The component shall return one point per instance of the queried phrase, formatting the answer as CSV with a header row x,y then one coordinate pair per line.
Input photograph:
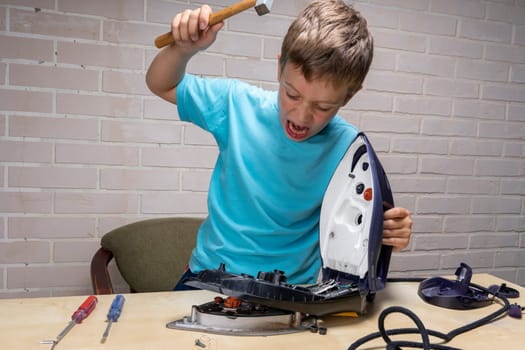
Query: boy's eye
x,y
323,109
292,96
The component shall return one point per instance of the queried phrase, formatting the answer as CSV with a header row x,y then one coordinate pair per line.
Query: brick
x,y
451,88
399,164
406,4
379,16
161,11
493,240
440,242
204,64
425,64
2,125
397,124
464,8
37,4
237,44
45,276
479,109
93,203
30,152
496,205
383,60
462,147
448,128
469,223
26,202
195,181
506,13
519,36
56,128
499,167
87,54
52,177
98,105
371,101
443,205
455,47
124,83
184,157
514,149
417,184
415,144
124,32
156,108
26,101
49,227
415,261
485,30
517,73
26,48
504,93
3,27
74,251
272,48
24,252
423,105
103,154
427,23
53,77
287,8
423,224
140,132
250,22
194,135
505,53
509,258
250,69
54,24
478,70
108,223
3,68
399,41
447,165
394,82
501,130
128,10
475,259
469,185
139,179
174,203
513,186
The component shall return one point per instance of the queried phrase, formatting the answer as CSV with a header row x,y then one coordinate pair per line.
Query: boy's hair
x,y
330,40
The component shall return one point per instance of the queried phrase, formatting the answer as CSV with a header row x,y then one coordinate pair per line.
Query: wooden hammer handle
x,y
216,17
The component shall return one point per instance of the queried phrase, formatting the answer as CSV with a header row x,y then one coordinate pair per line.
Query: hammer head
x,y
263,7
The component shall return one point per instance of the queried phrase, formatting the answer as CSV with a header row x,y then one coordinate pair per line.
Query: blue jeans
x,y
180,285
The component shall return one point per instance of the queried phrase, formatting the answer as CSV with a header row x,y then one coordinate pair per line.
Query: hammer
x,y
262,7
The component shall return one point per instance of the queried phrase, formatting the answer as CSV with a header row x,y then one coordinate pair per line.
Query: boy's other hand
x,y
190,29
397,227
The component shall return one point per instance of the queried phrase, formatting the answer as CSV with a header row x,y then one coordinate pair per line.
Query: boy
x,y
277,149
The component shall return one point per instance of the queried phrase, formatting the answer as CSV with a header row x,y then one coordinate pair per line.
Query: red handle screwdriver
x,y
78,316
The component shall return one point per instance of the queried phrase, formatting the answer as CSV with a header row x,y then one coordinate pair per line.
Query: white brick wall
x,y
85,147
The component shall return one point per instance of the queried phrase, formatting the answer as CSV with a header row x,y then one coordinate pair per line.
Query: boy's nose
x,y
305,113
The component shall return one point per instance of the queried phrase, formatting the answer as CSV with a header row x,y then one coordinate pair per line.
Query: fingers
x,y
397,228
189,26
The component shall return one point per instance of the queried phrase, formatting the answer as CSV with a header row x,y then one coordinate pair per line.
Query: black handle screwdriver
x,y
113,314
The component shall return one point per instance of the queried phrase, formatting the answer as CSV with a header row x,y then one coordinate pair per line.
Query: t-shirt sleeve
x,y
201,101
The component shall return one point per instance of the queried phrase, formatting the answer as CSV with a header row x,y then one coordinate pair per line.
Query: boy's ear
x,y
351,93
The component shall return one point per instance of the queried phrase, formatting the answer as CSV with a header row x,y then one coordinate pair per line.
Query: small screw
x,y
199,343
322,330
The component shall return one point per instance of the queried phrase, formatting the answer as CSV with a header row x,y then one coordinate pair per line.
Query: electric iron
x,y
355,263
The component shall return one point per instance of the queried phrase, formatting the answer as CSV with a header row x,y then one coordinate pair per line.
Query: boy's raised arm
x,y
191,34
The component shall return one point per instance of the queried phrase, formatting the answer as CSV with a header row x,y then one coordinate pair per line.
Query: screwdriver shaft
x,y
106,332
62,334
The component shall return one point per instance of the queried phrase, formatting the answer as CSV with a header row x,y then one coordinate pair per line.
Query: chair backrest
x,y
151,255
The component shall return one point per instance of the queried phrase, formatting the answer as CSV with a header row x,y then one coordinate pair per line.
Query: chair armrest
x,y
99,272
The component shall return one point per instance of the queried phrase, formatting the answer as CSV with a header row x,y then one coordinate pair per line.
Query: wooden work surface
x,y
25,322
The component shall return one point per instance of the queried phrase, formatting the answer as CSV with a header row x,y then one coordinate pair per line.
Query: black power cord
x,y
425,334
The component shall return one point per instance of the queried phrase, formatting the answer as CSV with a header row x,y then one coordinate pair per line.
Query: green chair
x,y
151,255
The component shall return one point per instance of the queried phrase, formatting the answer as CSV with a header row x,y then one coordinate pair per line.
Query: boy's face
x,y
306,107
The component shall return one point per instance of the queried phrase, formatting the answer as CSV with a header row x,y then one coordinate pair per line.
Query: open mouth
x,y
295,131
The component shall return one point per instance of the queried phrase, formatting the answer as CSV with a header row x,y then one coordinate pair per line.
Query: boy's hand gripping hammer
x,y
262,7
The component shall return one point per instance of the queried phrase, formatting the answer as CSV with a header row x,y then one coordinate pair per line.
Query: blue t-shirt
x,y
266,190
